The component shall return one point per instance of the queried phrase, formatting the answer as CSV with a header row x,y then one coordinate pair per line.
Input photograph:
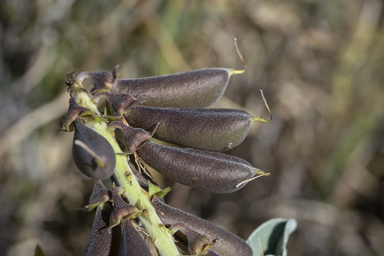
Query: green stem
x,y
137,196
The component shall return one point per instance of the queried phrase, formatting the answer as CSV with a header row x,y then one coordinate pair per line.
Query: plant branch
x,y
137,196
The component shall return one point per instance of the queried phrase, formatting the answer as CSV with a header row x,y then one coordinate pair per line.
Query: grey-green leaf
x,y
39,251
271,237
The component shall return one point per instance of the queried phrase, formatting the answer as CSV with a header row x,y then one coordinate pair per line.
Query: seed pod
x,y
134,137
198,244
197,88
100,195
205,129
121,210
132,243
121,101
228,244
75,111
92,153
208,171
192,89
99,242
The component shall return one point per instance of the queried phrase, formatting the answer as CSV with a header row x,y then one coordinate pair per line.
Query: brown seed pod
x,y
92,153
228,244
208,171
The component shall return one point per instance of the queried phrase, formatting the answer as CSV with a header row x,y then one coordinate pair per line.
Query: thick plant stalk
x,y
138,197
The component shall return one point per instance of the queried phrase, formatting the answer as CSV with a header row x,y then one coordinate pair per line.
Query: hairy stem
x,y
138,197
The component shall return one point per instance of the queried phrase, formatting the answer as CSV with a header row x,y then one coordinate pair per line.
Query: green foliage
x,y
39,251
271,237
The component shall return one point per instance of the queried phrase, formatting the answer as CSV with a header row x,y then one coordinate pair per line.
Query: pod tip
x,y
70,78
116,72
266,105
236,71
260,119
258,173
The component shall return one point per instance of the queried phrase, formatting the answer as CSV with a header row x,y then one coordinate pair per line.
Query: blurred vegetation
x,y
319,63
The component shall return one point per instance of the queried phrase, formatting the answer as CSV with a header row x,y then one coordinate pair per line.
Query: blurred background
x,y
319,63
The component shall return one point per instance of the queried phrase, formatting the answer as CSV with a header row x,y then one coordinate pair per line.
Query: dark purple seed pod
x,y
100,240
74,111
118,102
92,153
228,244
208,171
132,243
196,88
121,210
205,129
134,137
191,89
197,243
101,80
100,194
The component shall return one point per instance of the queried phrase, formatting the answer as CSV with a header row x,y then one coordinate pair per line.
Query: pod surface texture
x,y
196,88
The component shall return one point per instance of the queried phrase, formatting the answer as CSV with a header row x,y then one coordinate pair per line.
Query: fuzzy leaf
x,y
39,251
272,236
